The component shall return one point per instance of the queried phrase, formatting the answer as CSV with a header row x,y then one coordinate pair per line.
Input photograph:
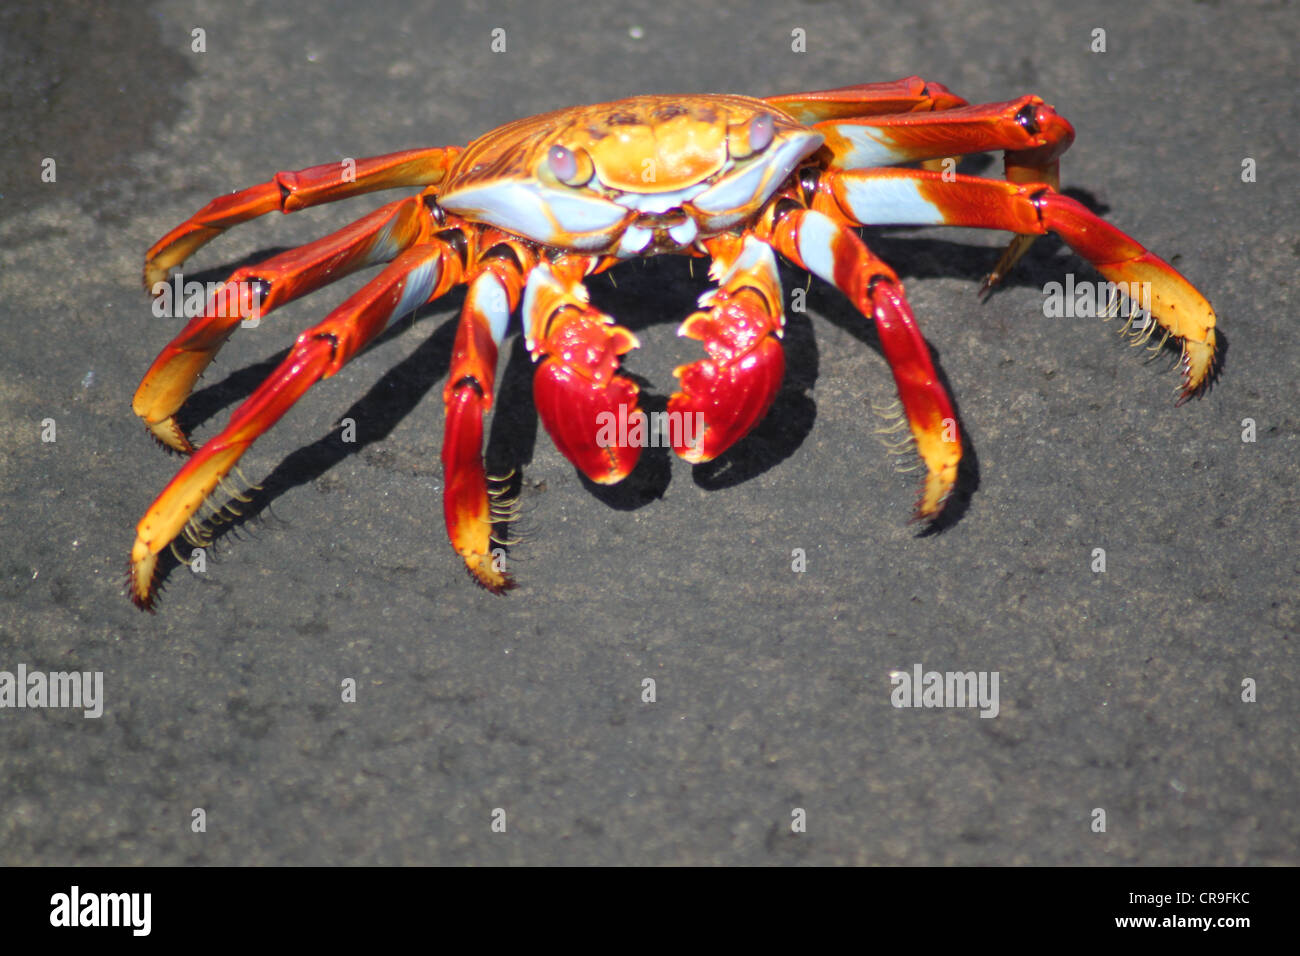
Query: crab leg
x,y
588,406
376,238
832,251
493,294
1032,135
291,191
415,277
909,95
740,324
916,197
927,123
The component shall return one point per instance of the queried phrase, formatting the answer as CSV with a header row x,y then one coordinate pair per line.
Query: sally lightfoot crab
x,y
523,215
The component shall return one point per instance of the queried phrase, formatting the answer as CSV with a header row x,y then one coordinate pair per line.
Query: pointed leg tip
x,y
1197,367
487,577
925,513
140,582
169,434
152,275
173,441
935,493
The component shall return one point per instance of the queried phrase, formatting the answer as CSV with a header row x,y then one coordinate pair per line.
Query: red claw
x,y
725,395
729,392
588,407
589,421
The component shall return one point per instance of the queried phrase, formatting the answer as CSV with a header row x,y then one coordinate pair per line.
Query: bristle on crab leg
x,y
469,514
832,251
917,197
415,277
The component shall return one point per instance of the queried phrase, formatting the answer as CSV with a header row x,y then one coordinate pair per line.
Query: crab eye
x,y
570,168
753,137
1028,118
563,163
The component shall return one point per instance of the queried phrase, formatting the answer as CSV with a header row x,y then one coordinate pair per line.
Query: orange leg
x,y
291,191
375,238
917,197
1031,135
909,95
730,391
587,405
493,294
828,248
415,277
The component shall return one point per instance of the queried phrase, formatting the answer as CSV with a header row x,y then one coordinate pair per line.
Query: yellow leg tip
x,y
938,485
140,576
1198,363
482,569
168,433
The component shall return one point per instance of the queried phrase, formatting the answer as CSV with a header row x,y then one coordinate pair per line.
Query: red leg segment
x,y
908,196
1031,132
415,277
730,391
909,95
291,191
588,407
376,238
832,251
493,294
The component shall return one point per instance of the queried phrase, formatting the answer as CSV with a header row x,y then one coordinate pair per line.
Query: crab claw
x,y
722,397
589,421
725,395
588,407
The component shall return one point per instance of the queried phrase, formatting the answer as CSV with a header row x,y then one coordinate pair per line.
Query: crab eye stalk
x,y
570,168
752,137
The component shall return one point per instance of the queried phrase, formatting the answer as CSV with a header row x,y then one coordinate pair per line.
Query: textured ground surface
x,y
1119,690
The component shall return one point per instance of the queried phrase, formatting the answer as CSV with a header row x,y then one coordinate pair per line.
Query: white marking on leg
x,y
488,296
889,200
417,286
816,245
542,277
869,147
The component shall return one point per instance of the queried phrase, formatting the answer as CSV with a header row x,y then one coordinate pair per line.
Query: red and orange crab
x,y
525,213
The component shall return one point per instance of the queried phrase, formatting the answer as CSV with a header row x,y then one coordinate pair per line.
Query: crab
x,y
524,214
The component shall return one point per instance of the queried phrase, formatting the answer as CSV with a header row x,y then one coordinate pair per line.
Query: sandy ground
x,y
1119,690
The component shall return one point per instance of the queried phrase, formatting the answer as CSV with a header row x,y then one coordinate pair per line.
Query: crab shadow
x,y
647,293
